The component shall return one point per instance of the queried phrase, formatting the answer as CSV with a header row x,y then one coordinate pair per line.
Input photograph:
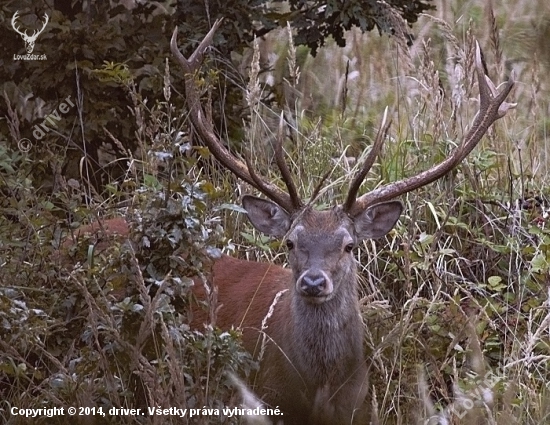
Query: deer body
x,y
310,355
314,368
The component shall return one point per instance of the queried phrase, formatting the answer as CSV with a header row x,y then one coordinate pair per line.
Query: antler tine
x,y
259,183
205,128
319,186
492,107
283,166
192,64
368,163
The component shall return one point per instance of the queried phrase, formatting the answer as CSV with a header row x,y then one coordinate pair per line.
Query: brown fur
x,y
246,290
103,232
313,367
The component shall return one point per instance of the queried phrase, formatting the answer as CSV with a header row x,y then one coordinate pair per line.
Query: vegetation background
x,y
455,300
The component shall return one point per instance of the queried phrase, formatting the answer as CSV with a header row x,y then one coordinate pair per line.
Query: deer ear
x,y
266,216
377,220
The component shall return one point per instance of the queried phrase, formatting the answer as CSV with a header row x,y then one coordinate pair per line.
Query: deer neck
x,y
328,334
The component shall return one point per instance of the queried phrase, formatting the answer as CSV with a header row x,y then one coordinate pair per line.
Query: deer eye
x,y
289,244
349,247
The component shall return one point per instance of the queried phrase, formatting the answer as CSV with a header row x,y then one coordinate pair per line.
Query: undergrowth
x,y
99,322
455,299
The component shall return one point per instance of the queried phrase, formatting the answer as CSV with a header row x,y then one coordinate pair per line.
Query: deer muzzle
x,y
315,286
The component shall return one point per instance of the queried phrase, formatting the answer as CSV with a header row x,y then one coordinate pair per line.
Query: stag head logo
x,y
29,39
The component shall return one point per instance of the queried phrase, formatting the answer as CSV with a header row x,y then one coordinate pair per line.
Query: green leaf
x,y
539,263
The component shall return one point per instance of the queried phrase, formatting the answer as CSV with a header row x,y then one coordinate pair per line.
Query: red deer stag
x,y
312,362
313,367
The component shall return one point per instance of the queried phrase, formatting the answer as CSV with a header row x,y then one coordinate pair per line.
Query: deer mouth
x,y
316,299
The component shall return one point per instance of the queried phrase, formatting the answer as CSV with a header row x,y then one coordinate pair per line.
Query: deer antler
x,y
368,163
289,201
492,106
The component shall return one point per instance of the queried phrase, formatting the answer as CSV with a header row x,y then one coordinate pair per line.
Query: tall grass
x,y
456,298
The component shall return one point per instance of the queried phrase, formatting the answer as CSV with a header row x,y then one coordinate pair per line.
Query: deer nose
x,y
313,284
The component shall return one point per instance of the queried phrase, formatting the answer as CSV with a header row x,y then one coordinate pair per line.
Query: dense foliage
x,y
455,299
92,49
95,320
